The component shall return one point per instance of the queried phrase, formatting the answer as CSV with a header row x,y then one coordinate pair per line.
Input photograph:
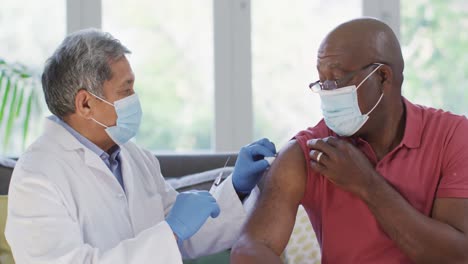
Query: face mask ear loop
x,y
368,113
104,102
111,104
380,99
99,123
367,77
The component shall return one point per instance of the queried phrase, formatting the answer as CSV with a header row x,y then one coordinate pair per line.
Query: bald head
x,y
363,41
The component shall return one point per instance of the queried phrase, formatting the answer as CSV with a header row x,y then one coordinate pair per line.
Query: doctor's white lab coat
x,y
66,206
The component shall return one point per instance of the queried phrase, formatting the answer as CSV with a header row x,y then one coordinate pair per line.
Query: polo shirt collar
x,y
413,125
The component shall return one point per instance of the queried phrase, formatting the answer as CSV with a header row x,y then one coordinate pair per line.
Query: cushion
x,y
6,169
177,165
303,246
199,181
5,253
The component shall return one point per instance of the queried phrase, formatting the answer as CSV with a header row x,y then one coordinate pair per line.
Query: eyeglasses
x,y
336,84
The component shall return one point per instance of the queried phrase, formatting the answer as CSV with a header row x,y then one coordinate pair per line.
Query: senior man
x,y
382,180
82,193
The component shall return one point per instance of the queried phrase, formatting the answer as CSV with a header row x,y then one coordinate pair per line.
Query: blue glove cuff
x,y
178,228
243,192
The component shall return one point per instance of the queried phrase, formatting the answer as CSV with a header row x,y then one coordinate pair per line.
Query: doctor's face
x,y
118,87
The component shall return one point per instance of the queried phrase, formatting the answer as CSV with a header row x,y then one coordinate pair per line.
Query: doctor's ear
x,y
83,103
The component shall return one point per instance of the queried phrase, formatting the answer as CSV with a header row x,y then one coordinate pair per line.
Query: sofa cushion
x,y
177,165
199,181
6,169
303,246
5,253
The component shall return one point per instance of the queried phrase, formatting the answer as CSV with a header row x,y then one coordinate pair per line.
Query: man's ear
x,y
83,103
386,76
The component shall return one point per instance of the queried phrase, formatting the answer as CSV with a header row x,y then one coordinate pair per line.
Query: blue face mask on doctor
x,y
340,108
128,122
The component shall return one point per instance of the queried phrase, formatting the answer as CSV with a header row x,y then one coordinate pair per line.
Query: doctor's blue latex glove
x,y
190,211
250,165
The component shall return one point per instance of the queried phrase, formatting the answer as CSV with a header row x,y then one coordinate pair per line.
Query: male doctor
x,y
82,193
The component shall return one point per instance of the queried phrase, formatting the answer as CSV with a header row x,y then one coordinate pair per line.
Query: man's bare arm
x,y
440,239
267,230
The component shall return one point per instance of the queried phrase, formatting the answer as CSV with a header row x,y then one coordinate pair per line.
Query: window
x,y
284,52
28,37
434,41
172,58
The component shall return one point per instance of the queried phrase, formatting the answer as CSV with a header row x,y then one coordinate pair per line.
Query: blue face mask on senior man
x,y
341,111
129,115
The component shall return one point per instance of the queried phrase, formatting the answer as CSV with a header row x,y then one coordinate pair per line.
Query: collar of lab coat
x,y
68,142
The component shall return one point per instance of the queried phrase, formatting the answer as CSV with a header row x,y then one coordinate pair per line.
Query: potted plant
x,y
18,92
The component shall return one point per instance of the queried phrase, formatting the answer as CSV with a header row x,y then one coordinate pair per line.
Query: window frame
x,y
233,105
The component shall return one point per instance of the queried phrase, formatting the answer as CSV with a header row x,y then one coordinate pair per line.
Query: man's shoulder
x,y
320,130
42,151
442,120
434,126
431,114
41,161
297,148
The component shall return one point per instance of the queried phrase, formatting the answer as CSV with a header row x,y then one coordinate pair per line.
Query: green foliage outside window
x,y
172,47
18,97
434,39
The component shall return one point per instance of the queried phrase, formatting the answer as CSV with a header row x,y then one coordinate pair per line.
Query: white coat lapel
x,y
94,161
144,199
127,174
129,169
70,143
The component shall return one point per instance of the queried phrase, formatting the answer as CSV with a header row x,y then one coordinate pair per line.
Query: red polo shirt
x,y
431,161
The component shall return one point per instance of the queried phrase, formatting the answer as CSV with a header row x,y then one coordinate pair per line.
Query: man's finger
x,y
335,142
318,156
318,167
322,146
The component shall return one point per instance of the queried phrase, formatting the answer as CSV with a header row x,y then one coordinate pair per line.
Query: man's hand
x,y
342,163
190,211
250,165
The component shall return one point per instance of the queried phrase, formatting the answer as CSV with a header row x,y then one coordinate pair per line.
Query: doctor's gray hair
x,y
82,61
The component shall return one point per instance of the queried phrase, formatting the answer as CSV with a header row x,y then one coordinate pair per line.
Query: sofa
x,y
186,172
